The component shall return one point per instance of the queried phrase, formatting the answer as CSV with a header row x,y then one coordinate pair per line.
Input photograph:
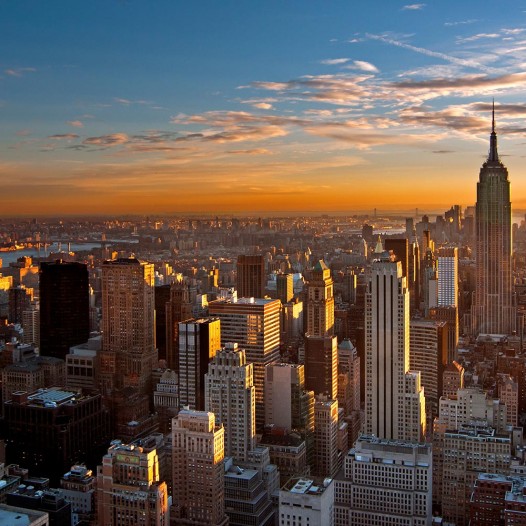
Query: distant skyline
x,y
134,107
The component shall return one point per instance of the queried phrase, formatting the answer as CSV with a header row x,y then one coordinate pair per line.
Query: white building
x,y
230,395
385,483
394,399
307,502
448,277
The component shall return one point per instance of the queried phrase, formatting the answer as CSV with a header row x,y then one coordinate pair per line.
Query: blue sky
x,y
236,106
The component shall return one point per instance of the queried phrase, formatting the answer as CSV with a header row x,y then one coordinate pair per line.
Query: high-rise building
x,y
250,276
321,346
178,309
231,396
128,487
287,403
198,470
447,267
20,299
199,340
254,324
128,353
162,297
51,429
31,324
304,500
285,287
428,354
349,389
385,482
394,398
64,307
492,310
325,437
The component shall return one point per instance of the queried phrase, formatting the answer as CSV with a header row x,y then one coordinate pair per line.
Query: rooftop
x,y
307,486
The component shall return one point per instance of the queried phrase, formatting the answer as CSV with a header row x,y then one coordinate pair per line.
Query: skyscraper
x,y
129,489
448,277
64,307
128,329
250,276
198,470
254,324
230,395
492,310
321,346
394,399
199,340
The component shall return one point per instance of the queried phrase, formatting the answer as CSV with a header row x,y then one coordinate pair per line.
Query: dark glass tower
x,y
492,311
64,307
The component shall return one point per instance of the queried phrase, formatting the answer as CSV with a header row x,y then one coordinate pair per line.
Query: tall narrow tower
x,y
321,346
492,311
394,398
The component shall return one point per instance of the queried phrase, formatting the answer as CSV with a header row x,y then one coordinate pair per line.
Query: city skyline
x,y
127,107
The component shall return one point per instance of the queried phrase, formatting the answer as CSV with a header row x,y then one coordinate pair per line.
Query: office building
x,y
79,487
64,307
178,309
251,276
428,354
304,500
129,490
492,310
321,346
326,459
385,482
198,470
394,398
199,340
230,395
452,379
51,429
128,354
254,324
246,498
447,269
20,299
285,287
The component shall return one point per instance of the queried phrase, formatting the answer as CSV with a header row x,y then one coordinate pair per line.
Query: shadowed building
x,y
64,307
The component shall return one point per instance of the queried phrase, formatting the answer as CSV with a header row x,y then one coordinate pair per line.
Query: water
x,y
13,255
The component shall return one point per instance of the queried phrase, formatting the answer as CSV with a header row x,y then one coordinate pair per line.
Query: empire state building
x,y
492,310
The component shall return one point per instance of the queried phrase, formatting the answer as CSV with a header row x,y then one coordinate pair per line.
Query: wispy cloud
x,y
107,140
64,136
76,124
461,22
413,7
18,72
448,58
334,61
263,105
478,36
362,65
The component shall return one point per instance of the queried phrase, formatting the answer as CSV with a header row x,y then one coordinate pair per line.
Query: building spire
x,y
493,153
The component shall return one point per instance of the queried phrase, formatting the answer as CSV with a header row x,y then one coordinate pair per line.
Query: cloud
x,y
478,36
263,105
18,72
253,151
76,124
68,136
461,22
448,58
443,151
334,61
413,7
112,139
464,86
363,66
